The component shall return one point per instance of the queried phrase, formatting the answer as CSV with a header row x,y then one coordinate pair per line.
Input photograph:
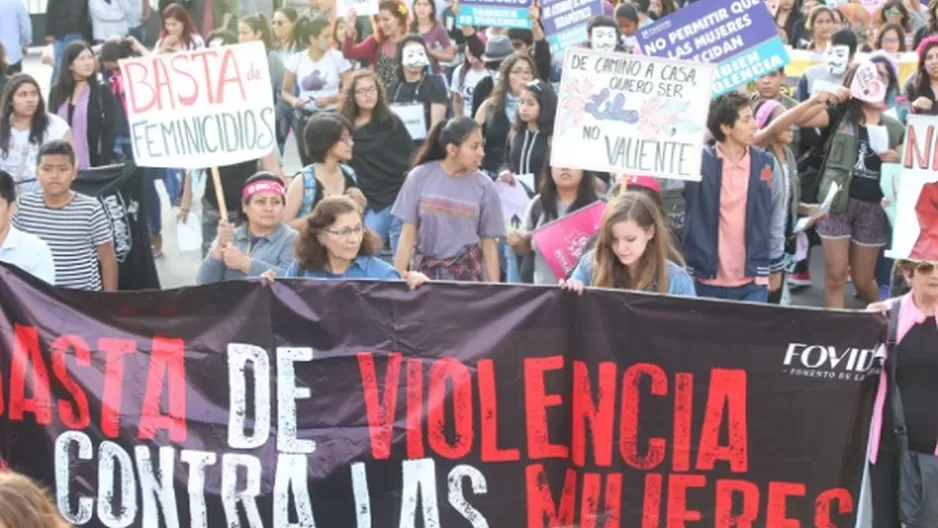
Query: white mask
x,y
415,56
629,43
603,38
836,58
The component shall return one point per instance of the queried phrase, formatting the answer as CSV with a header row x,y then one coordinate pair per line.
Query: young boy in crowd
x,y
23,250
73,225
734,235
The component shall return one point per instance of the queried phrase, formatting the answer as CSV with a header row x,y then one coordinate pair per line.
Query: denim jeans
x,y
59,46
751,292
386,225
509,263
171,179
154,207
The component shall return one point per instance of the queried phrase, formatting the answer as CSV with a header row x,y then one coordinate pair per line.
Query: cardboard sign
x,y
866,85
633,114
741,37
361,7
915,231
204,108
562,241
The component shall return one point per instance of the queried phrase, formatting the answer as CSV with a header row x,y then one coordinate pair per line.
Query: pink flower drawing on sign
x,y
573,99
662,117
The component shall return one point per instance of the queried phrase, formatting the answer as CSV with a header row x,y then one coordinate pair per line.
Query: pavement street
x,y
178,269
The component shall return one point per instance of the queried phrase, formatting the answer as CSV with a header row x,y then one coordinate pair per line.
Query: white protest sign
x,y
915,232
205,108
361,7
631,114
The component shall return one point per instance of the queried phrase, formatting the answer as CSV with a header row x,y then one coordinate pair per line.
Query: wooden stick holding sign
x,y
222,114
219,194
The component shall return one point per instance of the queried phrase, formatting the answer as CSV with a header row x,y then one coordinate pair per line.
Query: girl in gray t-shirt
x,y
451,212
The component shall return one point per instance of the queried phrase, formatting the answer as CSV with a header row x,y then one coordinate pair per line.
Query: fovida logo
x,y
827,361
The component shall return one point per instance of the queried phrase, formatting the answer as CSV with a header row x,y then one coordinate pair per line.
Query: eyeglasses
x,y
346,232
371,90
893,12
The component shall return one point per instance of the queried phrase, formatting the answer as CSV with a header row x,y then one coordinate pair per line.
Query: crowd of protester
x,y
405,121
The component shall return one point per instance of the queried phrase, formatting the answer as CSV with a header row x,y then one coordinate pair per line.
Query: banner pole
x,y
219,194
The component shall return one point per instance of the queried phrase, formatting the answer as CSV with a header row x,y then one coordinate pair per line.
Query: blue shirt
x,y
363,267
16,30
679,281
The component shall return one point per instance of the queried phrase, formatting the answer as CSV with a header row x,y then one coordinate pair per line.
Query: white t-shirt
x,y
318,79
466,88
20,159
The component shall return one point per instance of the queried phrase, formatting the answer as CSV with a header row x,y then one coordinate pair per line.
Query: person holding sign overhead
x,y
315,74
632,252
262,243
418,97
858,139
379,50
451,211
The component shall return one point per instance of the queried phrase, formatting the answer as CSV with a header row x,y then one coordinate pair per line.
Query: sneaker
x,y
799,280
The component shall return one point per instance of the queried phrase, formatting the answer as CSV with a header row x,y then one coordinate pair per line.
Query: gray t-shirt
x,y
450,212
542,272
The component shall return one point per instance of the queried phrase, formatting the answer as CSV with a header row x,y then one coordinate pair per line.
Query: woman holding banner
x,y
261,243
632,252
912,367
335,244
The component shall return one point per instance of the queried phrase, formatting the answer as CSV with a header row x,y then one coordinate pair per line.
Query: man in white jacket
x,y
114,17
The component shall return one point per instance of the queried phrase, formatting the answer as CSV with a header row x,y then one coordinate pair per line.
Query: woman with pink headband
x,y
260,244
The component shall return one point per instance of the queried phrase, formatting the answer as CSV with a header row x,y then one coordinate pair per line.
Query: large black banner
x,y
361,404
121,189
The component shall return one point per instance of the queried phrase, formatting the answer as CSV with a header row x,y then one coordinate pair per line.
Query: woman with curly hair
x,y
335,244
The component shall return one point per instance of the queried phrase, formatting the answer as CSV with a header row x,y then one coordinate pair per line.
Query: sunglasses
x,y
925,268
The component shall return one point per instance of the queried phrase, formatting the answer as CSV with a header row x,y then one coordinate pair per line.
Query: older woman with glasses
x,y
335,244
911,365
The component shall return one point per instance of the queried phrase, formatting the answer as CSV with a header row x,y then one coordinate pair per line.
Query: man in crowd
x,y
735,231
23,250
73,225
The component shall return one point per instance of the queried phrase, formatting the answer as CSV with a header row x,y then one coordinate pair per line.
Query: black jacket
x,y
102,121
67,17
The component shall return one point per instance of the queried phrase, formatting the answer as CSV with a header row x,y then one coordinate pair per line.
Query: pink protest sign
x,y
561,242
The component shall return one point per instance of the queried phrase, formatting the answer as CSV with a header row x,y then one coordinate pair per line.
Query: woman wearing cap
x,y
335,244
632,252
912,320
260,244
497,49
561,192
